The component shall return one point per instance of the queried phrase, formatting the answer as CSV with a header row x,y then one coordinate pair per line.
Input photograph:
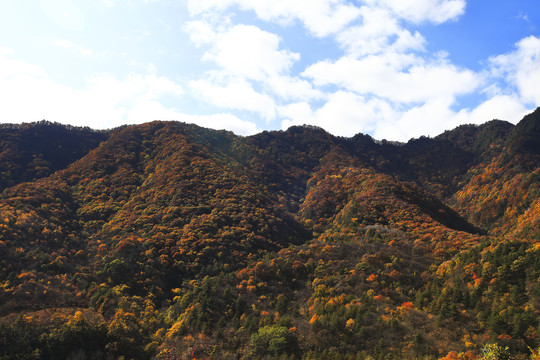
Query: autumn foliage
x,y
169,241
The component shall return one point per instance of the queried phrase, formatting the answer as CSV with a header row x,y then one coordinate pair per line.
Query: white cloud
x,y
28,94
347,114
434,117
523,16
111,3
430,118
413,96
223,122
320,17
63,43
199,7
344,114
397,77
521,68
235,94
200,32
379,31
67,44
64,13
109,89
418,11
4,51
293,88
501,107
248,51
11,69
247,56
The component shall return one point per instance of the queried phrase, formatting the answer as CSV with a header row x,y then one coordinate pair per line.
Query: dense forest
x,y
170,241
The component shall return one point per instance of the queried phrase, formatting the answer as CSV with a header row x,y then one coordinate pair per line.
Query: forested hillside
x,y
170,241
31,151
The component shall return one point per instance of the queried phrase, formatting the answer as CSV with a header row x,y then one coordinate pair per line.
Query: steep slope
x,y
287,158
160,190
32,151
147,213
524,137
346,197
439,164
481,140
502,194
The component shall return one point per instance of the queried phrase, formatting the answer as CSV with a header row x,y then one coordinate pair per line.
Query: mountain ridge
x,y
167,239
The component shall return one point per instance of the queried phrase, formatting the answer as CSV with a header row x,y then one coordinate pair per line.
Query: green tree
x,y
495,352
272,340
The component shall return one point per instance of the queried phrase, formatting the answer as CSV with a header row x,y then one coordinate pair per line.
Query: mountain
x,y
32,151
168,240
502,193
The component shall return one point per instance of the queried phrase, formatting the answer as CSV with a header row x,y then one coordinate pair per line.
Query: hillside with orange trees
x,y
170,241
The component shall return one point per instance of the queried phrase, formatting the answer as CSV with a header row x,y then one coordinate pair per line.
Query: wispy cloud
x,y
523,16
320,17
67,44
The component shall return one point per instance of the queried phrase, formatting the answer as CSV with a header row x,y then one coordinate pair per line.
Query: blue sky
x,y
391,69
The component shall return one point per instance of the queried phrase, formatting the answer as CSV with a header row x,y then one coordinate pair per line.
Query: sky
x,y
393,69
